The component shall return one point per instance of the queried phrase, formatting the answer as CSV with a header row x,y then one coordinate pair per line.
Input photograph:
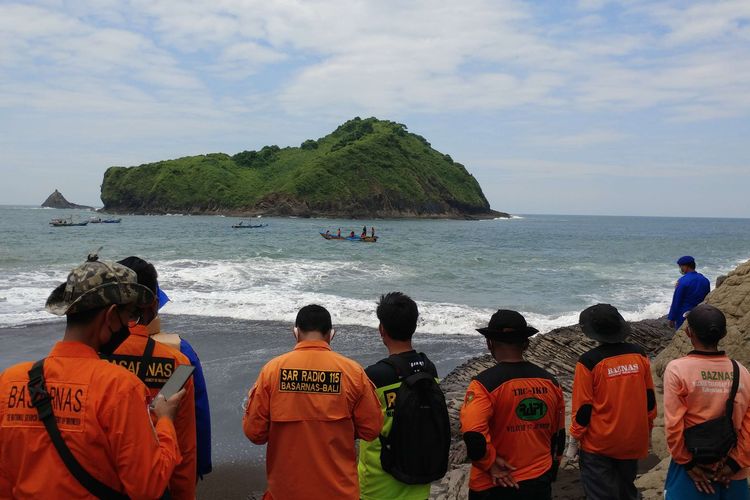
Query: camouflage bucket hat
x,y
96,284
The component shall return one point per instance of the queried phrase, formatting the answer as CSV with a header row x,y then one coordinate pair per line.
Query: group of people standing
x,y
76,424
88,420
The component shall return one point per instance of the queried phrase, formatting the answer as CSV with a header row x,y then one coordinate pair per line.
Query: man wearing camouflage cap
x,y
74,426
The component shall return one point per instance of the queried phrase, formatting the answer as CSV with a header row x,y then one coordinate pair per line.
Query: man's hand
x,y
502,474
571,451
167,407
723,474
702,478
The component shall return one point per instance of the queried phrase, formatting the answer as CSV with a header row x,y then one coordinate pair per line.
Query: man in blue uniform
x,y
690,291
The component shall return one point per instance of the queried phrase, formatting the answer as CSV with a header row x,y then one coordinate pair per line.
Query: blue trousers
x,y
679,486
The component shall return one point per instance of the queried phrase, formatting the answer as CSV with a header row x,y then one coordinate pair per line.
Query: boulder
x,y
57,200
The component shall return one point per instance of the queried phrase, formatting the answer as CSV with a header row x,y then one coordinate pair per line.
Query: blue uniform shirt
x,y
202,412
690,291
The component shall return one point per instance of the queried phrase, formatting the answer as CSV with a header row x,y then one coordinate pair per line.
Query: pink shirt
x,y
696,388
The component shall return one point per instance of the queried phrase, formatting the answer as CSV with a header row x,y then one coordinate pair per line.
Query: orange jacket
x,y
310,405
614,405
515,411
696,388
163,362
103,417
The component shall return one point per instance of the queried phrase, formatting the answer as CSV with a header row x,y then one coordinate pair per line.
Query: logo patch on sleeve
x,y
309,381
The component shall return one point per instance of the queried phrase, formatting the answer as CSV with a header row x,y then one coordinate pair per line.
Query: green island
x,y
365,168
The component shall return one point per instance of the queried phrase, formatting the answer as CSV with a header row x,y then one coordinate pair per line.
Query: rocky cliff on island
x,y
57,200
558,351
365,168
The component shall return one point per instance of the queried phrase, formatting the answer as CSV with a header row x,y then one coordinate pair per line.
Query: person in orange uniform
x,y
310,405
100,409
696,388
614,407
513,418
153,363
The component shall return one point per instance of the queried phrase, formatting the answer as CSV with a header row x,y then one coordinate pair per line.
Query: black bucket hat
x,y
507,326
604,323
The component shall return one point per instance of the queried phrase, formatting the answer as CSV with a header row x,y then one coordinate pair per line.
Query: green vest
x,y
374,482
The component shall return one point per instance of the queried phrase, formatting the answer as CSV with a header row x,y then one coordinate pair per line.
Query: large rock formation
x,y
733,298
57,200
558,352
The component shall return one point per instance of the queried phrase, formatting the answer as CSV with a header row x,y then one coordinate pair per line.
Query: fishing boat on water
x,y
366,239
62,222
99,220
242,225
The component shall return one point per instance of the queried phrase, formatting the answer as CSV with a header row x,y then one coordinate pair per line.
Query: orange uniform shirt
x,y
310,405
103,416
614,405
515,411
696,388
158,370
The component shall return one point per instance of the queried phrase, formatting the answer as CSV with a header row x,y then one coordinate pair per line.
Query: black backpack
x,y
416,450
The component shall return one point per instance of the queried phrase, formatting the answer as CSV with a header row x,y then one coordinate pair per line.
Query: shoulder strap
x,y
735,387
42,401
148,353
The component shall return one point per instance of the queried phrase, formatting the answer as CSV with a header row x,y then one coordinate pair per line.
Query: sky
x,y
571,107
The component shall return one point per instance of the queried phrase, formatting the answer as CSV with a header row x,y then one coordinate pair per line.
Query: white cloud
x,y
194,72
585,139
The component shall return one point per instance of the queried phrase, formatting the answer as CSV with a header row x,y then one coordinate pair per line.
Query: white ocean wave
x,y
264,288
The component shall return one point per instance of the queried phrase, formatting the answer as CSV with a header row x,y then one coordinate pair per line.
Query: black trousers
x,y
539,488
605,478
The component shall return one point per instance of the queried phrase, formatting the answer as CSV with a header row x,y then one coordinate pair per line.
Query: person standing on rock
x,y
614,407
512,419
697,389
691,289
310,405
428,445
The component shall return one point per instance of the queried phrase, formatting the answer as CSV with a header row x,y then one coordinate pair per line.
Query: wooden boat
x,y
66,222
366,239
242,225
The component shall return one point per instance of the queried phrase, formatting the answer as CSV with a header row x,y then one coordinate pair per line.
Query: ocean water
x,y
549,267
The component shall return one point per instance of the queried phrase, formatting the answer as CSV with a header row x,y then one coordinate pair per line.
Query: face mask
x,y
116,338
